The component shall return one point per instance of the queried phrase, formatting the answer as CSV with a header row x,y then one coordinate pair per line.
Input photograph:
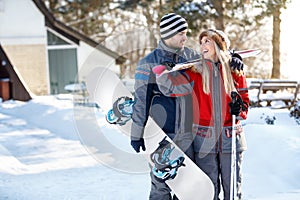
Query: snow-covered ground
x,y
49,150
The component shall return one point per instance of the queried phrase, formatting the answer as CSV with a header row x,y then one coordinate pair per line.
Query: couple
x,y
192,106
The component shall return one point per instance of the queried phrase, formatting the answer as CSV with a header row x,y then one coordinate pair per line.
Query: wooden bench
x,y
269,90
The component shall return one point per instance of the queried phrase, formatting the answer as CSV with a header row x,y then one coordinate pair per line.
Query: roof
x,y
17,88
73,34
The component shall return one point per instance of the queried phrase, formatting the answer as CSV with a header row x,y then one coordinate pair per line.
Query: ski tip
x,y
249,53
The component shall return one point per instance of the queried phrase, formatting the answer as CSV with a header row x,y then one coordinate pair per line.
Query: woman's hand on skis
x,y
236,62
159,69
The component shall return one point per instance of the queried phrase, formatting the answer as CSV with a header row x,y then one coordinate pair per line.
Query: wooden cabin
x,y
47,54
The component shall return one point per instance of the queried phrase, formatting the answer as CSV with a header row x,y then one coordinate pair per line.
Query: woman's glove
x,y
235,108
159,69
236,62
236,103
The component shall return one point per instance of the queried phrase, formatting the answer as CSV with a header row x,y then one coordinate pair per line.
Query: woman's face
x,y
207,49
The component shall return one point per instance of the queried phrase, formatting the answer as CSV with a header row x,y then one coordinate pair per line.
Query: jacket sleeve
x,y
142,97
174,84
241,86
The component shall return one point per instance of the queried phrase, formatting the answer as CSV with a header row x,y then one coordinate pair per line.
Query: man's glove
x,y
169,65
236,62
137,144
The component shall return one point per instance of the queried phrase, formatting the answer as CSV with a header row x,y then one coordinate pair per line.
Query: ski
x,y
243,53
248,53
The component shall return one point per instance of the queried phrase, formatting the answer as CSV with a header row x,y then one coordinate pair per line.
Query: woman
x,y
211,83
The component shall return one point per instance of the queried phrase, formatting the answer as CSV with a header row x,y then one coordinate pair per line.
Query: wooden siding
x,y
17,90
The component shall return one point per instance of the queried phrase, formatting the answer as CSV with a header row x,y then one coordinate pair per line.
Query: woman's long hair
x,y
225,58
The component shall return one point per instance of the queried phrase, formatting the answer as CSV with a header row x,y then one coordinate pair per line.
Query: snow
x,y
51,149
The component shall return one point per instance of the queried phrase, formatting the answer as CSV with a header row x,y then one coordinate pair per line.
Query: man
x,y
168,112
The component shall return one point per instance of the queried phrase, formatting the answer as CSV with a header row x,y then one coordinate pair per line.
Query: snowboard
x,y
189,182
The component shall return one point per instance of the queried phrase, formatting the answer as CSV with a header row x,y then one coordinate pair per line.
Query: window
x,y
54,39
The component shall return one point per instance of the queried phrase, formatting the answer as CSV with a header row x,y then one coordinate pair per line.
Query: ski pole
x,y
233,154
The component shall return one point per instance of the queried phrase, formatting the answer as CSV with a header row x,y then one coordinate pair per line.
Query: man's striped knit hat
x,y
171,24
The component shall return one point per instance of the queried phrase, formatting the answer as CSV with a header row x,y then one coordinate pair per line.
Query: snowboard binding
x,y
164,167
121,111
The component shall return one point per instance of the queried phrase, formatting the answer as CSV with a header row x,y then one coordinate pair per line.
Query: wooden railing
x,y
269,90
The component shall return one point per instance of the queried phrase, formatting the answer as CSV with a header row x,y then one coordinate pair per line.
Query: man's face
x,y
177,41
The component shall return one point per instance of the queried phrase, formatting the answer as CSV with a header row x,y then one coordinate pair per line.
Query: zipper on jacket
x,y
217,105
175,58
215,70
179,127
